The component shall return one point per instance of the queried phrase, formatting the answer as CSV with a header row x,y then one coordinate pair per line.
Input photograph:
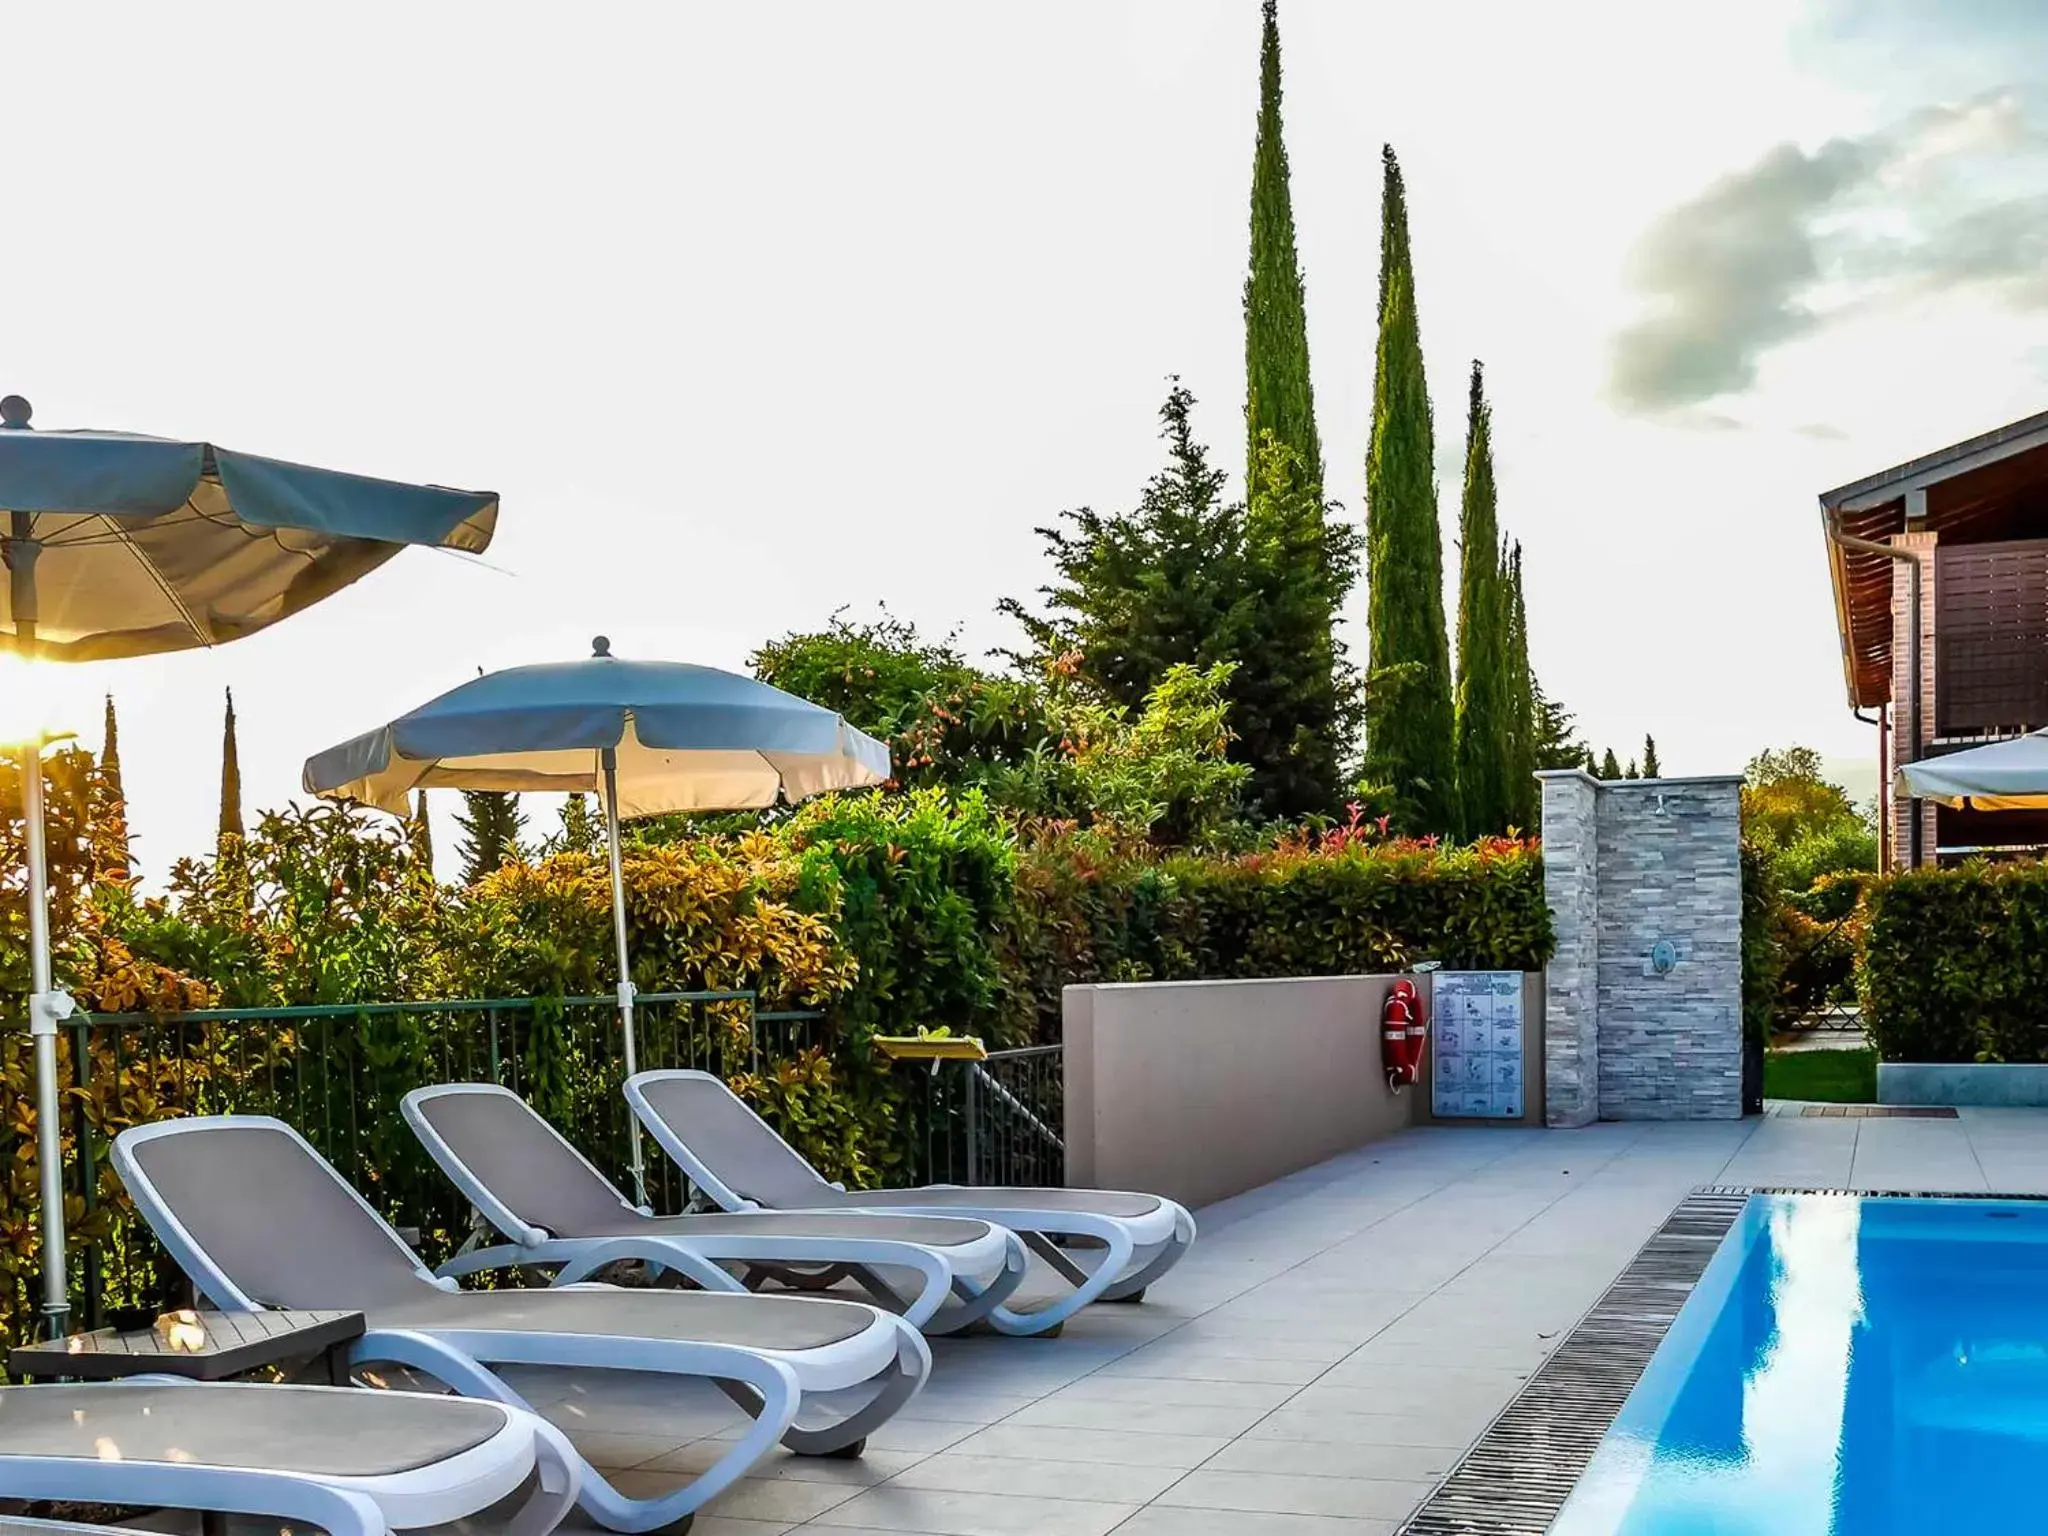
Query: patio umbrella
x,y
122,545
2004,776
645,736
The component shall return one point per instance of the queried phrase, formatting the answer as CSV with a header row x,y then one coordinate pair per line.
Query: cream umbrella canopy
x,y
646,737
2004,776
117,544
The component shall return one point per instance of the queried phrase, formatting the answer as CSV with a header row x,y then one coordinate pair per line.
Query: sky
x,y
752,314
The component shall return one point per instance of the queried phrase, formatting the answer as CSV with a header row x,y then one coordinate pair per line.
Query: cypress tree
x,y
1410,719
230,776
1486,690
1652,769
1610,766
1279,397
1525,797
421,832
491,824
579,827
110,756
1630,772
110,798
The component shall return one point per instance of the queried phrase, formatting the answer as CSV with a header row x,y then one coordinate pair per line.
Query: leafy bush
x,y
945,721
1763,955
85,840
1341,903
1956,964
1826,853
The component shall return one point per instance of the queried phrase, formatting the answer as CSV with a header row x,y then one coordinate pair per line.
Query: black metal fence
x,y
337,1073
995,1122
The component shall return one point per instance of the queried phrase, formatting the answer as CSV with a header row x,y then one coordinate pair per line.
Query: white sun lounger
x,y
259,1219
352,1463
558,1210
736,1158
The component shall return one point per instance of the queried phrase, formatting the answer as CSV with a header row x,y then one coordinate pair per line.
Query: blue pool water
x,y
1845,1368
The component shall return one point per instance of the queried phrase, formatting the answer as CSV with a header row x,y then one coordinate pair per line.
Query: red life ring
x,y
1404,1032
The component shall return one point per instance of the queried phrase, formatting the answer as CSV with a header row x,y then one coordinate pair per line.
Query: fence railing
x,y
995,1122
337,1073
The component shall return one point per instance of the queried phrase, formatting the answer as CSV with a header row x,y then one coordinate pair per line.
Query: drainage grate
x,y
1516,1479
1877,1112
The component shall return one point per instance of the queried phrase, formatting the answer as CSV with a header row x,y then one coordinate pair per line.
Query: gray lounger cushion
x,y
930,1231
518,1157
275,1221
749,1157
283,1429
710,1317
753,1161
288,1234
1098,1202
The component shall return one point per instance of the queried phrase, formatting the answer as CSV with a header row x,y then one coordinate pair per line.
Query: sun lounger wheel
x,y
850,1452
1130,1301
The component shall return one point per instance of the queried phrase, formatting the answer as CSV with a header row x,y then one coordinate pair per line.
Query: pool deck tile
x,y
1333,1343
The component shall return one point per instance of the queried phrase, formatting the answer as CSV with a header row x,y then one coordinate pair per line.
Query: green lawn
x,y
1826,1077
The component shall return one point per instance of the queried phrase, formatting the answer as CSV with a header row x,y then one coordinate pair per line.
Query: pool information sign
x,y
1475,1037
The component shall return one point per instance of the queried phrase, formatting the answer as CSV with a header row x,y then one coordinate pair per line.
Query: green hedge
x,y
1298,911
1956,964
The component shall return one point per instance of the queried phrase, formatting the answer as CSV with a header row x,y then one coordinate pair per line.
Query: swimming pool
x,y
1859,1367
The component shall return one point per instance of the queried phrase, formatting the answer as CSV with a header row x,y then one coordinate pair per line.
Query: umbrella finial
x,y
15,411
601,646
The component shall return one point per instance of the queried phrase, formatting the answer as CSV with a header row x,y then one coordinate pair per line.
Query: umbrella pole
x,y
608,760
43,1005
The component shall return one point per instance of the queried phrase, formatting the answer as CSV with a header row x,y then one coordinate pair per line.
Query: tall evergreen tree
x,y
579,827
1652,769
1556,739
112,798
1187,577
1410,720
1487,688
110,755
420,832
1295,705
1279,396
491,824
1525,796
1610,766
230,776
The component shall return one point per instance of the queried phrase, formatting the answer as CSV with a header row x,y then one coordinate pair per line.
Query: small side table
x,y
203,1346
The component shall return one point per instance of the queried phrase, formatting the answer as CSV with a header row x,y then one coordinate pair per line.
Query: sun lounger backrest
x,y
517,1156
261,1207
734,1144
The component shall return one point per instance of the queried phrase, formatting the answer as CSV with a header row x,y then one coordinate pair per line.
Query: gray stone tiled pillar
x,y
1571,1007
1644,995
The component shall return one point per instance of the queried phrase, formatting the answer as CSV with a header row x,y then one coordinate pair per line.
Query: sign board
x,y
1475,1044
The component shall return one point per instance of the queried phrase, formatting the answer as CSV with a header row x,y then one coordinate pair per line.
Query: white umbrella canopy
x,y
646,736
2004,776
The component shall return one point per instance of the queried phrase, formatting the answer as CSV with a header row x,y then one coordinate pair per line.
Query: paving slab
x,y
1331,1346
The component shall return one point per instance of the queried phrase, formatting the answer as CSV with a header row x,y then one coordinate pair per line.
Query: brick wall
x,y
1571,881
1628,864
1904,747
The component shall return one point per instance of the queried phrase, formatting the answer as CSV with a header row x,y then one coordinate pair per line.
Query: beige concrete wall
x,y
1200,1090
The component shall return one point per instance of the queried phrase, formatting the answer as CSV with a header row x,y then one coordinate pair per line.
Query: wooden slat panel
x,y
1991,636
